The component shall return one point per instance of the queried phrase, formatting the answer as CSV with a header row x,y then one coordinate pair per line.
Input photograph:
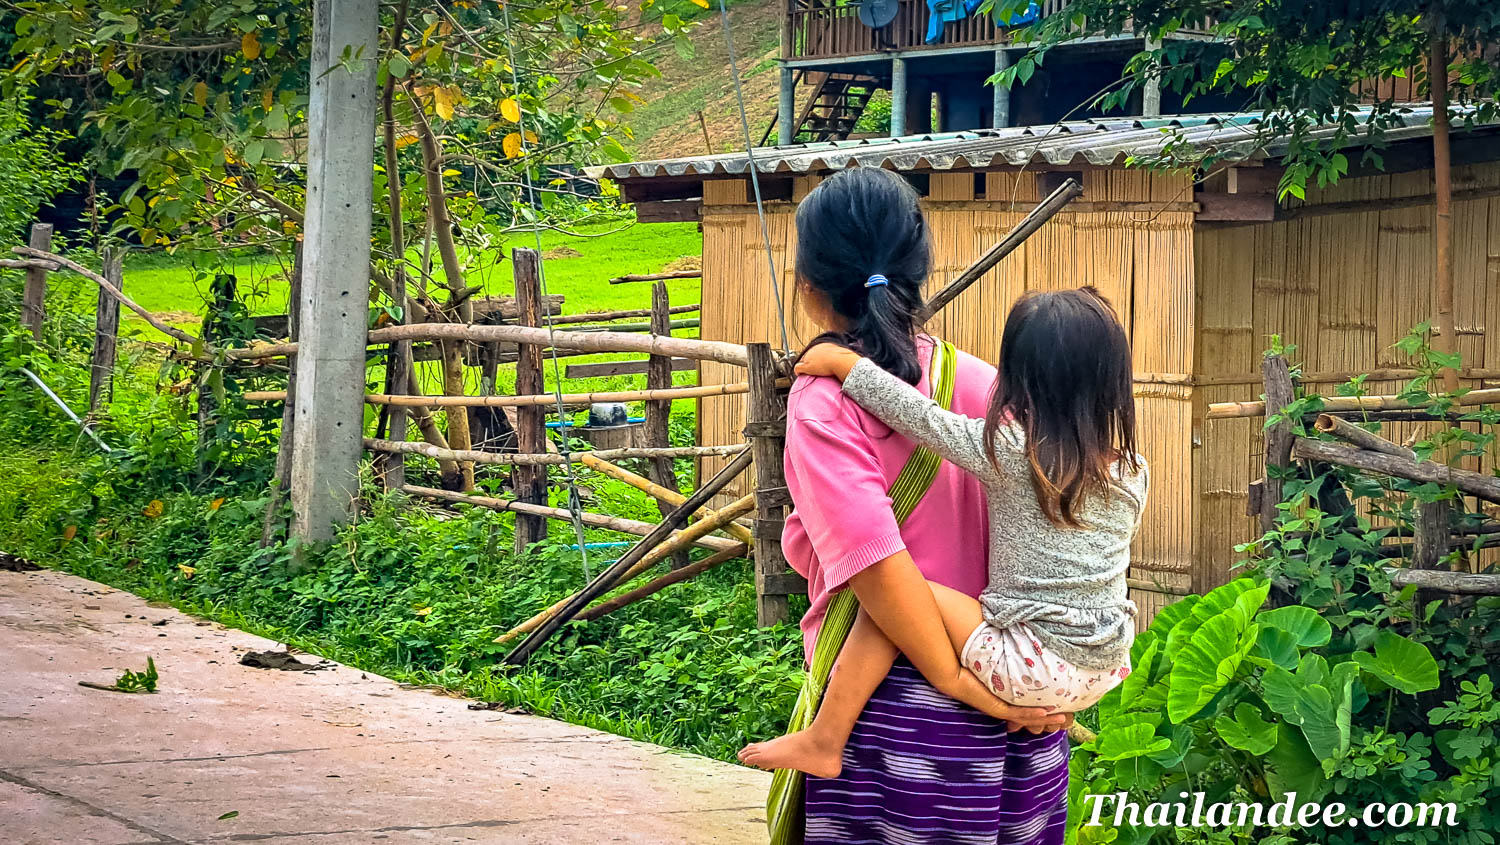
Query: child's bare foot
x,y
801,751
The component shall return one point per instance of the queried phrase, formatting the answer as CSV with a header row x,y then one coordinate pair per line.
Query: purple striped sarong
x,y
923,769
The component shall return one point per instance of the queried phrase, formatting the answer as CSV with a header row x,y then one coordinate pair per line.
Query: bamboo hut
x,y
1204,268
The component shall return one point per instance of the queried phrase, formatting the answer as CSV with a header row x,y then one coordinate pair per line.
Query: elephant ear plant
x,y
1238,702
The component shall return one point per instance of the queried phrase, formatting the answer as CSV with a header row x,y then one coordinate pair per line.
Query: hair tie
x,y
876,280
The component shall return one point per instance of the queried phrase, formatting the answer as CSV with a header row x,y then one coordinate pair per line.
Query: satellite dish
x,y
878,13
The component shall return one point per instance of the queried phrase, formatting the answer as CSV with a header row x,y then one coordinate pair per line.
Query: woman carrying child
x,y
893,756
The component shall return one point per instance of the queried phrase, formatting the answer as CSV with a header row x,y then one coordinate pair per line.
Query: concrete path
x,y
318,757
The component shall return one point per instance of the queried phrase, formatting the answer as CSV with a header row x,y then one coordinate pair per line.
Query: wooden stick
x,y
1341,404
106,334
605,316
680,347
676,576
658,492
412,447
765,411
653,277
615,574
25,264
1050,206
1478,484
595,520
1351,433
636,567
108,286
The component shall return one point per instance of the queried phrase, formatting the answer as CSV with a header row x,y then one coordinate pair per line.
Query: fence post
x,y
658,413
1279,438
34,301
765,427
106,330
529,482
1430,535
222,292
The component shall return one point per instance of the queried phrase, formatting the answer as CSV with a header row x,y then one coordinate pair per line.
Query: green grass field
x,y
178,285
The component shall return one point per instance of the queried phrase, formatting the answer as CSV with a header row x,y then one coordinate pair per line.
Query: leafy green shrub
x,y
31,170
1349,691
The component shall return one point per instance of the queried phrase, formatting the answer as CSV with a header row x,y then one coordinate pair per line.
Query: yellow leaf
x,y
69,533
451,172
250,44
510,109
702,4
511,145
154,509
404,141
200,93
187,571
265,99
216,504
530,137
424,611
442,103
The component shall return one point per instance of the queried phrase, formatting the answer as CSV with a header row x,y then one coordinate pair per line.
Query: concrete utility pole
x,y
332,311
898,97
1001,103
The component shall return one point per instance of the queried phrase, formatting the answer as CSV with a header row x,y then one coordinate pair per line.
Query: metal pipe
x,y
57,400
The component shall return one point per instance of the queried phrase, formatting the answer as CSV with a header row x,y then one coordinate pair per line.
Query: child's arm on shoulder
x,y
827,359
954,437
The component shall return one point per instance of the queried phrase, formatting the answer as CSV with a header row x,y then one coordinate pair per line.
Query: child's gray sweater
x,y
1067,584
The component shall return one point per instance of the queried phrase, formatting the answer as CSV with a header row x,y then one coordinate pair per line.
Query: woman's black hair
x,y
857,224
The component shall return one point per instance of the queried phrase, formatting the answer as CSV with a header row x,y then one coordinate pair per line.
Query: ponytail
x,y
857,227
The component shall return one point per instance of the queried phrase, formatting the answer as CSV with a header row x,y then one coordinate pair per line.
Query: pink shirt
x,y
840,460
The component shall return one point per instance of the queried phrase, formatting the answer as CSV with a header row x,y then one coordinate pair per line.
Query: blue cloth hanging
x,y
941,12
1032,12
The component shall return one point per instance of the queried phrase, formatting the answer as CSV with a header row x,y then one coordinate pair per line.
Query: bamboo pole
x,y
676,576
412,447
620,569
1050,206
1478,484
677,347
1353,434
594,520
656,491
1342,404
634,327
531,400
656,555
1445,339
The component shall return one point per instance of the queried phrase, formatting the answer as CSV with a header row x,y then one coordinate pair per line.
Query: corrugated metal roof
x,y
1101,142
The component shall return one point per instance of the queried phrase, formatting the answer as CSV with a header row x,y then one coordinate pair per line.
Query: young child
x,y
1056,454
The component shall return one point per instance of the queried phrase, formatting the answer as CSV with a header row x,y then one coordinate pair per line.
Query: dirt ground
x,y
224,752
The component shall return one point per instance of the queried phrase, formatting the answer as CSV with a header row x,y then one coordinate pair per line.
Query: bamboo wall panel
x,y
1404,279
1367,277
1162,326
1347,295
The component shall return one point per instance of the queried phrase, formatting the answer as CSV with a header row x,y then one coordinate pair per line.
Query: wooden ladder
x,y
833,106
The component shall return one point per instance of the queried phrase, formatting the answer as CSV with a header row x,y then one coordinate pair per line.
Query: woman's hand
x,y
827,359
898,599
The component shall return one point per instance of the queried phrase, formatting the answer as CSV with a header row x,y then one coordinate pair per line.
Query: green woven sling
x,y
784,808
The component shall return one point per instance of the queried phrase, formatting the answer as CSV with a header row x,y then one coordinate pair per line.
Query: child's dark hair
x,y
1065,379
856,227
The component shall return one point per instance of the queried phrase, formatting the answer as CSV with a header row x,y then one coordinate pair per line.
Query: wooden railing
x,y
827,29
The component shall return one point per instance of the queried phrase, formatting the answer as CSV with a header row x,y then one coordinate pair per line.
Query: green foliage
x,y
133,681
1348,690
31,169
1301,65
